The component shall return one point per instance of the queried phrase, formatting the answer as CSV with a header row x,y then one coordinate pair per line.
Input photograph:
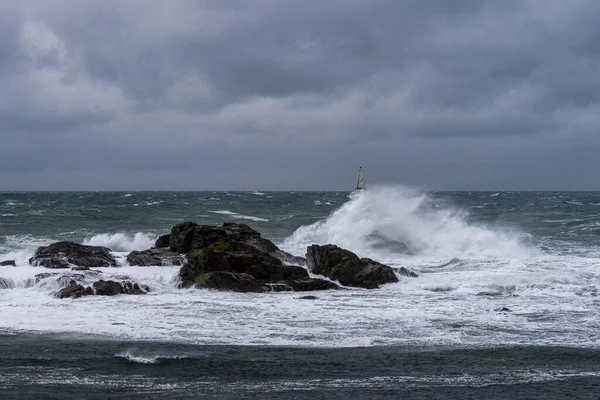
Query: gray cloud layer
x,y
270,94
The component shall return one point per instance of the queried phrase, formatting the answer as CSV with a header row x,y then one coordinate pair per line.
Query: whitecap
x,y
122,241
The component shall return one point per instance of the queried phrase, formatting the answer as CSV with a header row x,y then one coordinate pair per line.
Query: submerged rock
x,y
8,263
378,240
155,256
62,254
344,266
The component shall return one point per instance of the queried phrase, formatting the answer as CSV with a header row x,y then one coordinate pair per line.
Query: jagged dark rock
x,y
227,280
242,262
344,266
155,256
8,263
190,236
226,255
162,241
62,254
74,290
310,284
112,288
294,272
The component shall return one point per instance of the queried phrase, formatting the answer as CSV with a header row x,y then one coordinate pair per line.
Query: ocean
x,y
505,306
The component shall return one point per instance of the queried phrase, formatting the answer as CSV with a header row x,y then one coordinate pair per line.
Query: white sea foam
x,y
403,214
133,357
122,241
239,216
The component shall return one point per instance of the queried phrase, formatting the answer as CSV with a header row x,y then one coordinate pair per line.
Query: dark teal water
x,y
35,367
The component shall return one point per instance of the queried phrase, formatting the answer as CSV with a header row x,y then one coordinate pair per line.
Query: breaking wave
x,y
122,242
403,214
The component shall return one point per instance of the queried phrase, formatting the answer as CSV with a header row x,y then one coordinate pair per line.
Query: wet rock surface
x,y
65,254
344,266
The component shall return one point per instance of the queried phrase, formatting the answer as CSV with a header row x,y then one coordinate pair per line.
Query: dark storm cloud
x,y
149,94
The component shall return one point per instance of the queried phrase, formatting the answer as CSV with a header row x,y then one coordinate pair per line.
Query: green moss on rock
x,y
223,246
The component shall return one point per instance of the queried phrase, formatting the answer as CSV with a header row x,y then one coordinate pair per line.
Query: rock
x,y
62,254
278,287
405,272
294,272
189,236
80,268
74,290
154,256
237,257
504,309
8,263
231,265
401,271
344,266
112,288
377,240
162,241
308,298
227,280
309,284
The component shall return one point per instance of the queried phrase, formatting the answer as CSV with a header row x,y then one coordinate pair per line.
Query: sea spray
x,y
404,214
122,241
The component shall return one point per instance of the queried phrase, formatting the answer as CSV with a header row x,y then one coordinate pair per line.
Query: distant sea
x,y
505,306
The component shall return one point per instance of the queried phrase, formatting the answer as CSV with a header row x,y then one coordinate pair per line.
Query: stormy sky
x,y
274,94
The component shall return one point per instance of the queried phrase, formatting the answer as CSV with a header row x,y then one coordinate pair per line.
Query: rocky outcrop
x,y
231,265
75,290
189,236
231,281
155,256
226,255
162,241
8,263
63,254
344,266
112,288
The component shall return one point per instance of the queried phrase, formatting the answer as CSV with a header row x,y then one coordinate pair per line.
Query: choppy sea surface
x,y
505,306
